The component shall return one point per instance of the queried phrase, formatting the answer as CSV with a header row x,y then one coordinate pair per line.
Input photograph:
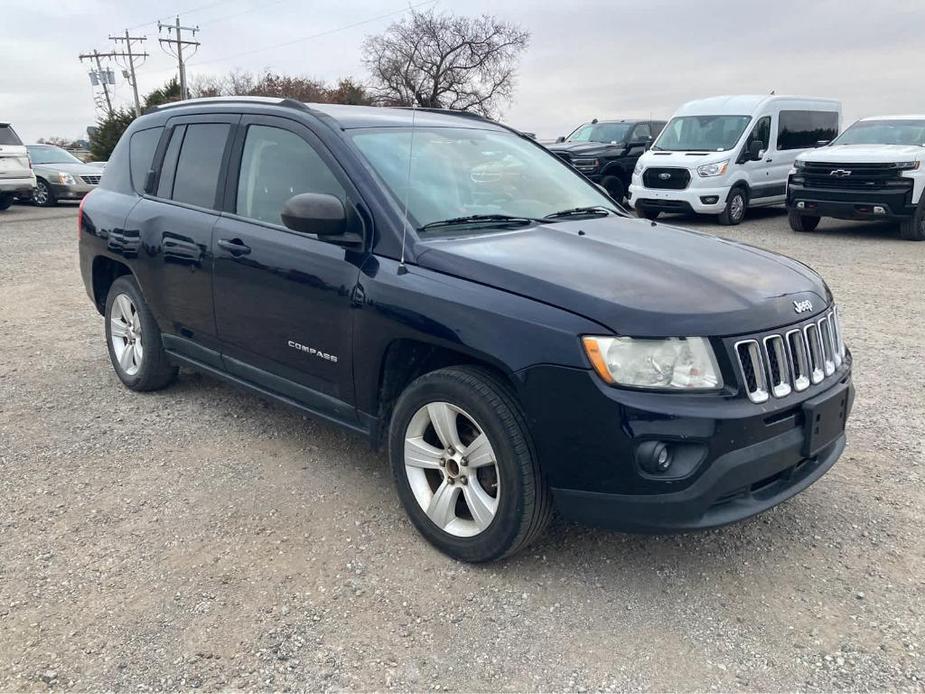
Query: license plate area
x,y
825,418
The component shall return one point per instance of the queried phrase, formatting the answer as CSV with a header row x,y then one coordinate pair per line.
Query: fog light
x,y
879,210
654,457
709,199
801,205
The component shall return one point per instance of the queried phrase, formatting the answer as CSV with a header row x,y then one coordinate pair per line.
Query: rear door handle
x,y
769,160
234,246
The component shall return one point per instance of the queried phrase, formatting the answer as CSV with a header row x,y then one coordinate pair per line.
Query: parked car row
x,y
42,174
725,155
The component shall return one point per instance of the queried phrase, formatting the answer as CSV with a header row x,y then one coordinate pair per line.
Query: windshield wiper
x,y
478,219
593,211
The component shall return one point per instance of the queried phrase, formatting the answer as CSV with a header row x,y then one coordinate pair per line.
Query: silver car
x,y
16,178
60,175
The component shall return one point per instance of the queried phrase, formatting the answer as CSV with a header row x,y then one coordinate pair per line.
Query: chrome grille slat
x,y
791,361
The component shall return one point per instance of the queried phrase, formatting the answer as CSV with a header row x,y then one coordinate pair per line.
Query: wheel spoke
x,y
138,352
419,453
125,358
118,328
481,505
479,453
443,417
125,308
442,508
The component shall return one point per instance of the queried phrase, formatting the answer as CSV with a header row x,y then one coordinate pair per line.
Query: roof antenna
x,y
402,269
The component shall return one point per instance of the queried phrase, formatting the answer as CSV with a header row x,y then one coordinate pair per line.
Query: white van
x,y
725,154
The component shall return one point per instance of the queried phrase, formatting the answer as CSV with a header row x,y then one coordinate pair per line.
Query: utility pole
x,y
130,62
169,43
101,76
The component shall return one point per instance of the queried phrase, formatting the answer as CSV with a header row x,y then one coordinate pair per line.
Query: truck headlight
x,y
66,179
799,165
907,165
715,169
674,363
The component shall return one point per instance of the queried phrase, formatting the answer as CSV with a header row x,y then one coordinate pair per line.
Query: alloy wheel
x,y
452,469
737,207
40,194
125,334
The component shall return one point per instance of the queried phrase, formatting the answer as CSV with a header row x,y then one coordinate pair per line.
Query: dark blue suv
x,y
440,283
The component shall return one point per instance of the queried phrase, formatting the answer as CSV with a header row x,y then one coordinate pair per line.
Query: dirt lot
x,y
202,538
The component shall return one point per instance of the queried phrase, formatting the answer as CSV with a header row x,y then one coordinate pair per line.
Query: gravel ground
x,y
203,538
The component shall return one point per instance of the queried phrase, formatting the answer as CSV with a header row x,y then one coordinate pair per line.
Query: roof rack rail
x,y
449,112
277,101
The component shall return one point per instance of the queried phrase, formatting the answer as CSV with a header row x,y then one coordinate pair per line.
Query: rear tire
x,y
496,499
913,229
43,196
802,222
736,205
134,340
6,200
647,214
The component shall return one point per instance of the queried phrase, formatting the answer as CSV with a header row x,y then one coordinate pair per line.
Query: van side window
x,y
275,165
200,162
141,154
803,129
760,133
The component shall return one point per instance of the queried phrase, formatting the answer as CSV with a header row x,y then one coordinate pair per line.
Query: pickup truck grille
x,y
778,364
855,176
94,180
669,178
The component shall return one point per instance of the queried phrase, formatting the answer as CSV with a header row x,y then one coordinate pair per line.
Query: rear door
x,y
174,221
14,161
283,298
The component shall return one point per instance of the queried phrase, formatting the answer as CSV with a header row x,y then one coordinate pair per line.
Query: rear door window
x,y
141,155
803,129
8,136
199,165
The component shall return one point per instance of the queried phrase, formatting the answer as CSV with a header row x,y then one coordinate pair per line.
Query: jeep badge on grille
x,y
803,306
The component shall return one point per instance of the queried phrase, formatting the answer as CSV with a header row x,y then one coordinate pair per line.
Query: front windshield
x,y
51,155
884,132
460,172
702,133
600,132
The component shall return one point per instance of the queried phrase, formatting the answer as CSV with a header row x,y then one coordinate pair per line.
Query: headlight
x,y
585,165
66,179
675,363
799,165
907,165
639,167
715,169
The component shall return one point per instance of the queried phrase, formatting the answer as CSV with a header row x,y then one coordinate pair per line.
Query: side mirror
x,y
822,143
559,139
322,215
755,151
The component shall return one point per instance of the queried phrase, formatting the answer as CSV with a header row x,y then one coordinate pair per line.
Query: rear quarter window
x,y
199,165
141,155
803,129
8,136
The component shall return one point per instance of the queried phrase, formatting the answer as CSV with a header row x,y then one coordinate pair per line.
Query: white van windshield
x,y
884,132
701,133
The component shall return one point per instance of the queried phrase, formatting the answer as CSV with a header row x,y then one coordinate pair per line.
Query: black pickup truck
x,y
444,285
606,151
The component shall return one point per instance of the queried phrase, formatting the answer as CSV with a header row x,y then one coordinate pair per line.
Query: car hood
x,y
585,148
864,154
78,169
683,159
636,278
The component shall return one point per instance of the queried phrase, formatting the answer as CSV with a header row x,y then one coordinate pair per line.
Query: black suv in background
x,y
447,286
606,151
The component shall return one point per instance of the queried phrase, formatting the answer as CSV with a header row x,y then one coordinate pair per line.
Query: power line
x,y
318,35
184,12
130,58
169,43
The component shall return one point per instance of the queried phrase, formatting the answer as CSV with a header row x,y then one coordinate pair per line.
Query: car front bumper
x,y
706,200
741,458
71,192
894,202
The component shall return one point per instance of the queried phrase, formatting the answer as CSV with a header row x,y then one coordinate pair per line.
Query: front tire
x,y
134,340
913,229
6,200
43,196
464,467
736,204
802,222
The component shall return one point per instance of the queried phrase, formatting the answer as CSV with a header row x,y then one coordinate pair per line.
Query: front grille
x,y
672,179
781,363
854,176
90,179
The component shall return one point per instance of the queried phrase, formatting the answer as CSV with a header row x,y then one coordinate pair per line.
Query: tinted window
x,y
169,167
199,166
275,165
641,132
141,155
8,136
803,129
760,133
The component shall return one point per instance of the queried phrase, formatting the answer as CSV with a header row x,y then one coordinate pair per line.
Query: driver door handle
x,y
234,246
769,160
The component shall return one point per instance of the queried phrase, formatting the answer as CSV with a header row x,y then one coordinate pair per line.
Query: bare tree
x,y
446,61
267,83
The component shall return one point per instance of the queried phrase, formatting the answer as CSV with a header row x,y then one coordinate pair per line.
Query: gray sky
x,y
585,60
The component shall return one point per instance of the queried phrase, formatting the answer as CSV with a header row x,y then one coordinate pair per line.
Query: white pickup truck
x,y
873,170
16,175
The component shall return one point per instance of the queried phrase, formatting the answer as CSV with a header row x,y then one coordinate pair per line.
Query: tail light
x,y
80,215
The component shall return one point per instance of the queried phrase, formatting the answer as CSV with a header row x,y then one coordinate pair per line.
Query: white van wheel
x,y
736,204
